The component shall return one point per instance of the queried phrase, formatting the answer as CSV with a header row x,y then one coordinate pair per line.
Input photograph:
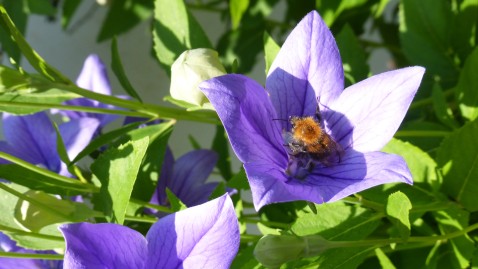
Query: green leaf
x,y
220,144
175,30
424,35
43,7
49,238
117,169
124,15
41,210
33,58
218,191
466,90
421,165
176,204
397,209
239,181
69,9
339,222
60,146
271,48
117,67
353,56
245,259
237,9
441,107
158,135
454,220
463,36
37,178
16,11
458,159
331,9
385,262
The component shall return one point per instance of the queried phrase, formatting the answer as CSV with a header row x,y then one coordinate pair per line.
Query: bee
x,y
308,139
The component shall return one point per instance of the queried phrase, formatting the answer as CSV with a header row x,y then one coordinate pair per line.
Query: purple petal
x,y
203,236
94,76
190,172
159,196
33,139
308,65
355,172
77,134
103,245
249,118
367,114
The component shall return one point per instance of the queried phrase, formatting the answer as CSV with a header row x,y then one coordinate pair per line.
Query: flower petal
x,y
33,138
77,134
367,114
159,196
248,117
307,66
103,245
355,172
203,236
94,76
190,172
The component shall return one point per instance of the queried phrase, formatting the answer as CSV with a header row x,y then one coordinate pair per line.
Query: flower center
x,y
308,144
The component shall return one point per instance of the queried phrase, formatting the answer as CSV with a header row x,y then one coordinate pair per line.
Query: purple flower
x,y
186,178
32,138
305,78
93,77
8,245
204,236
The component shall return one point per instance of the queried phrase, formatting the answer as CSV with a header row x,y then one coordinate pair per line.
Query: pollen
x,y
307,130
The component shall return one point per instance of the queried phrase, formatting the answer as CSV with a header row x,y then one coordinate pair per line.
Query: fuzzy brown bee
x,y
307,138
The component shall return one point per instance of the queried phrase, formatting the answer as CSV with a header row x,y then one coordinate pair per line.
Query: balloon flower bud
x,y
274,250
191,68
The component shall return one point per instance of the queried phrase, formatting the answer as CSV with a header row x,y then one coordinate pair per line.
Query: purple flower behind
x,y
32,138
94,77
204,236
307,77
8,245
186,178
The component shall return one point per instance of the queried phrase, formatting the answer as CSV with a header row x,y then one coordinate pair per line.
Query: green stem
x,y
35,202
248,238
31,256
75,108
420,133
429,100
265,222
358,200
72,183
141,219
31,234
153,206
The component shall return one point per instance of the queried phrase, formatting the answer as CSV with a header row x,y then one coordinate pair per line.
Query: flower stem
x,y
153,206
32,234
358,200
265,222
31,256
246,238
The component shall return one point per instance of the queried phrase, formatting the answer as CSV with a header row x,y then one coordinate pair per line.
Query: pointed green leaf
x,y
467,89
385,262
220,144
441,107
118,69
454,220
424,35
117,169
43,7
271,48
69,9
458,159
175,30
463,36
16,11
176,204
398,209
49,238
33,58
124,15
237,9
353,56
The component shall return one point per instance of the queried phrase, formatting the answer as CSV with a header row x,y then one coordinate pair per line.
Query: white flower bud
x,y
191,68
